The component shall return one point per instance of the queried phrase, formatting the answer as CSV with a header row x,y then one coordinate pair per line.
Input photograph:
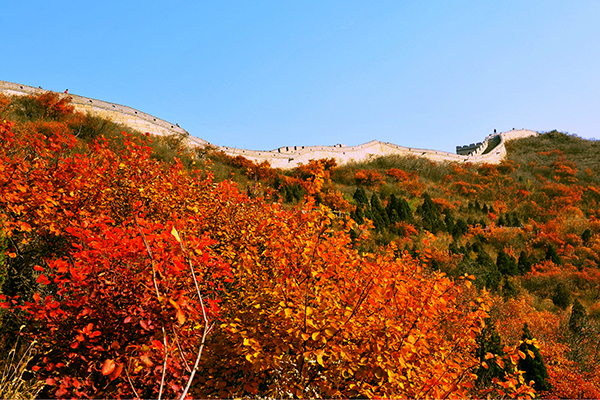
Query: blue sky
x,y
265,74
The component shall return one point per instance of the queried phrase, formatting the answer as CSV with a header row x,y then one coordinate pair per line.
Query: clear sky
x,y
264,74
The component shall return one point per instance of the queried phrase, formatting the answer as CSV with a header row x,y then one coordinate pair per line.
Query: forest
x,y
134,266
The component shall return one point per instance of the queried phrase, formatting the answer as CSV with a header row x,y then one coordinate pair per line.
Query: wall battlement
x,y
283,157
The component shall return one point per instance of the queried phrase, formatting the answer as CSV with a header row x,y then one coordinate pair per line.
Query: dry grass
x,y
13,369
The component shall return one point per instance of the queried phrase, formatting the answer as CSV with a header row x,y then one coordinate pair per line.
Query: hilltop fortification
x,y
491,150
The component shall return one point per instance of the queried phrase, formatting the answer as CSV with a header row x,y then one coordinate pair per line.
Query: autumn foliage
x,y
140,278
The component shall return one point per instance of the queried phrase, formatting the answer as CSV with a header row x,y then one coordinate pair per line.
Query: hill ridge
x,y
282,157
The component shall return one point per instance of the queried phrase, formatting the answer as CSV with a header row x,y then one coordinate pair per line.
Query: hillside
x,y
127,259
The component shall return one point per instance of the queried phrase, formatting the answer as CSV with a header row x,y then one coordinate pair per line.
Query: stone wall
x,y
283,157
292,156
113,112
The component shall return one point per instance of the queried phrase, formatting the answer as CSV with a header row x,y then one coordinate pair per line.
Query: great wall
x,y
492,150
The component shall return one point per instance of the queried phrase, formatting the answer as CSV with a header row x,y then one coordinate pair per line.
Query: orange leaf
x,y
108,367
180,316
116,372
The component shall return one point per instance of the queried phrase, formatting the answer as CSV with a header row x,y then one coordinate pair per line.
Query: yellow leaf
x,y
320,360
315,335
175,234
305,336
246,342
288,312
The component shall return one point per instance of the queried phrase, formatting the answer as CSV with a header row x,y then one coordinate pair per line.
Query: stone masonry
x,y
283,157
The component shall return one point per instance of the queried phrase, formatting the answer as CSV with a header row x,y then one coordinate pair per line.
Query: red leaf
x,y
43,280
117,371
38,268
108,367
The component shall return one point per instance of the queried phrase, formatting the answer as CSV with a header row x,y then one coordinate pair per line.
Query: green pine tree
x,y
493,277
506,264
431,216
489,342
404,212
562,296
552,255
533,367
586,236
380,217
524,264
360,196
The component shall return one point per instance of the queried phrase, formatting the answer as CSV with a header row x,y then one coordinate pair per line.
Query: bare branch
x,y
164,371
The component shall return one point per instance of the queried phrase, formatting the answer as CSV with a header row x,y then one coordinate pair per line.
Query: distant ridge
x,y
492,150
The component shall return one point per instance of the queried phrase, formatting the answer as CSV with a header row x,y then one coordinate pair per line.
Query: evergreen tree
x,y
515,220
561,297
524,264
460,228
391,207
380,217
449,222
431,216
586,235
533,367
394,218
404,211
360,196
358,215
489,342
453,248
506,264
493,277
552,255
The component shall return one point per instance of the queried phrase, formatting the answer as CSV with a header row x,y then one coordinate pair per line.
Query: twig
x,y
207,329
164,371
187,367
131,382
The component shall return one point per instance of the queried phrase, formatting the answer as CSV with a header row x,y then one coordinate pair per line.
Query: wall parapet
x,y
117,113
293,156
287,156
